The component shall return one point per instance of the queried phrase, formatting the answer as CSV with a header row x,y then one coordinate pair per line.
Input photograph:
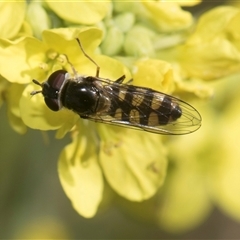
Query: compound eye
x,y
53,104
51,89
56,79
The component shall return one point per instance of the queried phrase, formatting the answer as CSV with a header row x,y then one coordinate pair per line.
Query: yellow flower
x,y
175,180
150,22
78,166
80,173
81,12
10,25
155,73
10,93
213,49
37,17
167,16
135,175
13,94
11,28
161,15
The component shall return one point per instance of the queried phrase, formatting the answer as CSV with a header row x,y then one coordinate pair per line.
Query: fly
x,y
117,103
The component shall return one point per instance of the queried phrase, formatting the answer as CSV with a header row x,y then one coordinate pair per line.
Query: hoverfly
x,y
114,102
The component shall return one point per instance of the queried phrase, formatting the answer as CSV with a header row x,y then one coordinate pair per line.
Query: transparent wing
x,y
148,110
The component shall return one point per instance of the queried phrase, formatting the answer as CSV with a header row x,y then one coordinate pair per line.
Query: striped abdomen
x,y
142,106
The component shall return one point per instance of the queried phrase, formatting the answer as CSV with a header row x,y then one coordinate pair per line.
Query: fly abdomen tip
x,y
176,112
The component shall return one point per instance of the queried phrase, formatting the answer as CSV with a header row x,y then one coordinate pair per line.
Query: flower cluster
x,y
160,46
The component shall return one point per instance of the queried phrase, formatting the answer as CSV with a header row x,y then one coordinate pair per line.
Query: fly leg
x,y
87,56
72,67
121,79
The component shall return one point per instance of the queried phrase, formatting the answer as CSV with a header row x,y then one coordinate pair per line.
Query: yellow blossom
x,y
170,181
213,49
37,17
82,12
155,73
11,28
167,16
80,173
13,94
161,15
10,25
135,175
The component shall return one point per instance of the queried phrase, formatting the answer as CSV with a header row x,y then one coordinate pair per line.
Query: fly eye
x,y
51,89
56,79
53,104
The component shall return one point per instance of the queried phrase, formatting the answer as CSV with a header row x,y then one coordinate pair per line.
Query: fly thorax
x,y
81,97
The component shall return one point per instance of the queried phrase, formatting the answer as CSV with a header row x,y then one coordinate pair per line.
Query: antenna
x,y
38,91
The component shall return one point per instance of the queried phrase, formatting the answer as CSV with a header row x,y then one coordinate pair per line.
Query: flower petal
x,y
66,43
134,166
14,93
212,51
168,16
82,12
26,54
12,15
154,73
37,17
81,175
